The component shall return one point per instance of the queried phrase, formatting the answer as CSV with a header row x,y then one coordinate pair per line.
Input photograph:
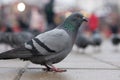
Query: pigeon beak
x,y
85,19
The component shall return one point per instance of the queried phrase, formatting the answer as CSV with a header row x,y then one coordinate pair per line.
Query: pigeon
x,y
115,39
82,41
96,38
15,39
51,46
97,41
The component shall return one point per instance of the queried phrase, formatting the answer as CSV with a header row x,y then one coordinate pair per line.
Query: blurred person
x,y
5,28
2,27
113,21
37,20
50,14
105,31
23,25
93,22
114,27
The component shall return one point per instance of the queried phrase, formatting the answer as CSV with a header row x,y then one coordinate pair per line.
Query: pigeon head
x,y
74,21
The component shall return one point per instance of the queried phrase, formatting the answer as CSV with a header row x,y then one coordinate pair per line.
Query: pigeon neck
x,y
71,30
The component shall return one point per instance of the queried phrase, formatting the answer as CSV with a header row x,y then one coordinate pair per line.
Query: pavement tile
x,y
15,63
8,73
33,74
108,54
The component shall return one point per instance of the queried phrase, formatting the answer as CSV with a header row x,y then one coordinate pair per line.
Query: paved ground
x,y
93,65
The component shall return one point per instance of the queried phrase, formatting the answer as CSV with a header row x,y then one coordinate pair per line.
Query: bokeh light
x,y
21,7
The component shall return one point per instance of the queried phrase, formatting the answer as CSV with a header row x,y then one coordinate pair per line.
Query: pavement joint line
x,y
21,71
107,62
83,68
69,68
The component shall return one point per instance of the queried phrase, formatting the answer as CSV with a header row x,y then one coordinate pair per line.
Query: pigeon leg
x,y
54,69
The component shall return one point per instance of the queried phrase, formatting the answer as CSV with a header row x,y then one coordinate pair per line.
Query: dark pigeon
x,y
82,41
115,39
15,39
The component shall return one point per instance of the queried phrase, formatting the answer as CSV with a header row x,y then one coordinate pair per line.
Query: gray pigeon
x,y
97,39
15,39
49,47
82,41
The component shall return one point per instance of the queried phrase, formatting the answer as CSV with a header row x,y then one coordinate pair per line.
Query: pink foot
x,y
58,70
51,68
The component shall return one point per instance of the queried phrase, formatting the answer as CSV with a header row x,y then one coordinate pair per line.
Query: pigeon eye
x,y
78,16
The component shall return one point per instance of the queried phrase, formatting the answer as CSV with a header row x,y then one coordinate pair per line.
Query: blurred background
x,y
98,39
20,20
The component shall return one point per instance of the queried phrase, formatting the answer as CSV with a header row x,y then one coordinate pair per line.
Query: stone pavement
x,y
92,65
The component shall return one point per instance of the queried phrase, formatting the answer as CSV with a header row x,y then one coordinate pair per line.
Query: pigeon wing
x,y
53,41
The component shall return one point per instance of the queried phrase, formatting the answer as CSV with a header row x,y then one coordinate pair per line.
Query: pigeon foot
x,y
51,68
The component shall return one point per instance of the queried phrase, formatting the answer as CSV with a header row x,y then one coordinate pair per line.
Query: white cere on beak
x,y
85,19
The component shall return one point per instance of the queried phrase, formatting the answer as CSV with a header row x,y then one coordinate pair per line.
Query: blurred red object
x,y
16,29
93,22
3,29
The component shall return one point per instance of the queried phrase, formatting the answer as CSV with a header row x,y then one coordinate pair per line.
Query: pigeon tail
x,y
20,52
